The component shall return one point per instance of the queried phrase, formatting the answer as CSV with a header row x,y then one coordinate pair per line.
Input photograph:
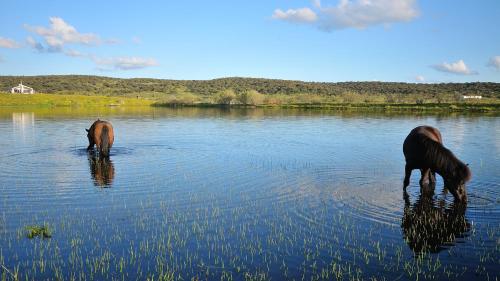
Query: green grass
x,y
49,100
215,241
347,101
395,107
33,231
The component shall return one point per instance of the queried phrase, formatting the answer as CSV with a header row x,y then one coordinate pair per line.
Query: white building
x,y
472,97
22,89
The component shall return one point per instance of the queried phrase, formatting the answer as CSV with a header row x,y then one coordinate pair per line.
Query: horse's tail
x,y
104,151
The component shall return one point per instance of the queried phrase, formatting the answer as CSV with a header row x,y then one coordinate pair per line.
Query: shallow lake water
x,y
242,194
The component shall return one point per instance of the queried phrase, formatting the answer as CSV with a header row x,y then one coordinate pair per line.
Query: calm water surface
x,y
242,194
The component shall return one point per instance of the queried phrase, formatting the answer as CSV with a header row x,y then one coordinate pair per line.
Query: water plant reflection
x,y
102,170
430,225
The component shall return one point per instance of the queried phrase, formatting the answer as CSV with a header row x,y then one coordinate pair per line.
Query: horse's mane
x,y
443,159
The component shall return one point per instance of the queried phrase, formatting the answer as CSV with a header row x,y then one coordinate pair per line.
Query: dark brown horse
x,y
423,149
101,134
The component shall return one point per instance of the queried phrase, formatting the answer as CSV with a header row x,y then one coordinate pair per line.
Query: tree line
x,y
98,85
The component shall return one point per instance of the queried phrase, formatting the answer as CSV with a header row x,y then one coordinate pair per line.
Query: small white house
x,y
22,89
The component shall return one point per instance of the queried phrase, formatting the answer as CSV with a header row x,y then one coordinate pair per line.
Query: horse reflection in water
x,y
429,225
102,171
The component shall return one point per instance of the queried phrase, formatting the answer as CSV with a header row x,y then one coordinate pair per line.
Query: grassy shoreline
x,y
450,107
58,100
51,100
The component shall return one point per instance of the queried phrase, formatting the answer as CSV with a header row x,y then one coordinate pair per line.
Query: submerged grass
x,y
214,241
43,231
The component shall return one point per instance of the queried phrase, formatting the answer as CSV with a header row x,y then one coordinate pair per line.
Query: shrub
x,y
277,99
184,98
251,97
352,97
225,97
307,99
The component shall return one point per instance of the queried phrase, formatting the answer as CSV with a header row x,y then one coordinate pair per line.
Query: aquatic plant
x,y
43,231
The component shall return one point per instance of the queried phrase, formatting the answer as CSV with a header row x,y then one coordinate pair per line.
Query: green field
x,y
51,100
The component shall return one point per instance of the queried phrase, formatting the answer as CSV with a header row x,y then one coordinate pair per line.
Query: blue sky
x,y
335,40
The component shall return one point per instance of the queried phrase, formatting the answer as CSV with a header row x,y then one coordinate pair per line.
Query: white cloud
x,y
302,15
1,59
60,33
353,13
458,67
420,78
495,62
364,13
8,43
124,63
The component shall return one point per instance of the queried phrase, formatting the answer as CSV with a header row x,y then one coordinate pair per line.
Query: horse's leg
x,y
406,198
98,149
406,181
426,184
425,174
422,177
432,177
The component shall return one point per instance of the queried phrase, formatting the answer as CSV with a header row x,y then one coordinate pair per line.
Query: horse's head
x,y
88,134
456,182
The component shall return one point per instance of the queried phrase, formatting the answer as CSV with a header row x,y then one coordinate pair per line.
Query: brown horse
x,y
423,149
101,134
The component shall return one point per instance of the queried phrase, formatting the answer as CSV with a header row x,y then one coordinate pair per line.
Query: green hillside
x,y
115,86
258,91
